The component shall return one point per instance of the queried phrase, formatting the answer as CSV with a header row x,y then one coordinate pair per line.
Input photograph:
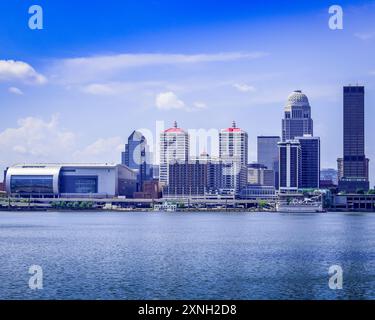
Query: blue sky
x,y
100,69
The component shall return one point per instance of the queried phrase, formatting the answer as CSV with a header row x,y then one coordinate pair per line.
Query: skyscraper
x,y
233,144
268,155
290,167
137,157
354,163
310,161
174,147
297,117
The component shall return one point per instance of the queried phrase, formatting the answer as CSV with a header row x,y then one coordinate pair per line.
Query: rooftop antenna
x,y
233,124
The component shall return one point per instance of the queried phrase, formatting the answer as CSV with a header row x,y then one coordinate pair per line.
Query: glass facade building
x,y
137,157
290,166
268,155
354,163
310,162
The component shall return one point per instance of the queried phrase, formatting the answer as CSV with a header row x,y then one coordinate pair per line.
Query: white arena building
x,y
70,180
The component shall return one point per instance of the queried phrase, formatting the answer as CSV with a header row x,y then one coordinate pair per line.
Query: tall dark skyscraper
x,y
310,162
136,157
354,163
297,117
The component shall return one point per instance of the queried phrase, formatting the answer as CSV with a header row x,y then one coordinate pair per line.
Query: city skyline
x,y
50,113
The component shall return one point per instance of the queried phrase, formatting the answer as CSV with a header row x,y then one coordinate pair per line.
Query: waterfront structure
x,y
70,180
354,202
354,162
174,147
137,157
310,161
290,165
258,174
268,154
258,192
233,144
297,117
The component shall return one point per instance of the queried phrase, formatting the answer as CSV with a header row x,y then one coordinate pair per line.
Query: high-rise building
x,y
137,157
268,154
233,144
290,165
174,147
258,174
204,176
297,117
310,153
354,163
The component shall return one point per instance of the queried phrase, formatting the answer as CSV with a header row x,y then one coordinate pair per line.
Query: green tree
x,y
360,191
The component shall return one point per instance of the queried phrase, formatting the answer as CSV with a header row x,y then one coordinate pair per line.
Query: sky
x,y
75,90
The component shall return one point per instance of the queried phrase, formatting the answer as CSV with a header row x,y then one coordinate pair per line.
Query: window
x,y
78,184
31,184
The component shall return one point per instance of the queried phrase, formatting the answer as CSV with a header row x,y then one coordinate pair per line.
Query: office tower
x,y
174,147
310,153
268,154
290,165
233,144
258,174
137,157
297,117
354,164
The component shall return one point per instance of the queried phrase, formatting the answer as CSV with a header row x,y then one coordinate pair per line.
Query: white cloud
x,y
99,89
168,100
102,150
100,67
365,35
243,87
16,91
35,140
199,105
11,70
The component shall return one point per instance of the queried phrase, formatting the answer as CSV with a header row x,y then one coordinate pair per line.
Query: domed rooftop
x,y
297,99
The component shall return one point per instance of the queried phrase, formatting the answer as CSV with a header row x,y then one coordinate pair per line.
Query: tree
x,y
360,191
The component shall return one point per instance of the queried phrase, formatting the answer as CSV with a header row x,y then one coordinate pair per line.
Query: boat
x,y
166,207
300,206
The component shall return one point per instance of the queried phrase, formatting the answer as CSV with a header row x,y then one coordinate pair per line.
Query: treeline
x,y
72,205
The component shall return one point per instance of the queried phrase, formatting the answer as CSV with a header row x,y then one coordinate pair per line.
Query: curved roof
x,y
297,99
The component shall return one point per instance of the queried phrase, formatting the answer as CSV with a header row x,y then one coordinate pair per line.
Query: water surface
x,y
97,255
